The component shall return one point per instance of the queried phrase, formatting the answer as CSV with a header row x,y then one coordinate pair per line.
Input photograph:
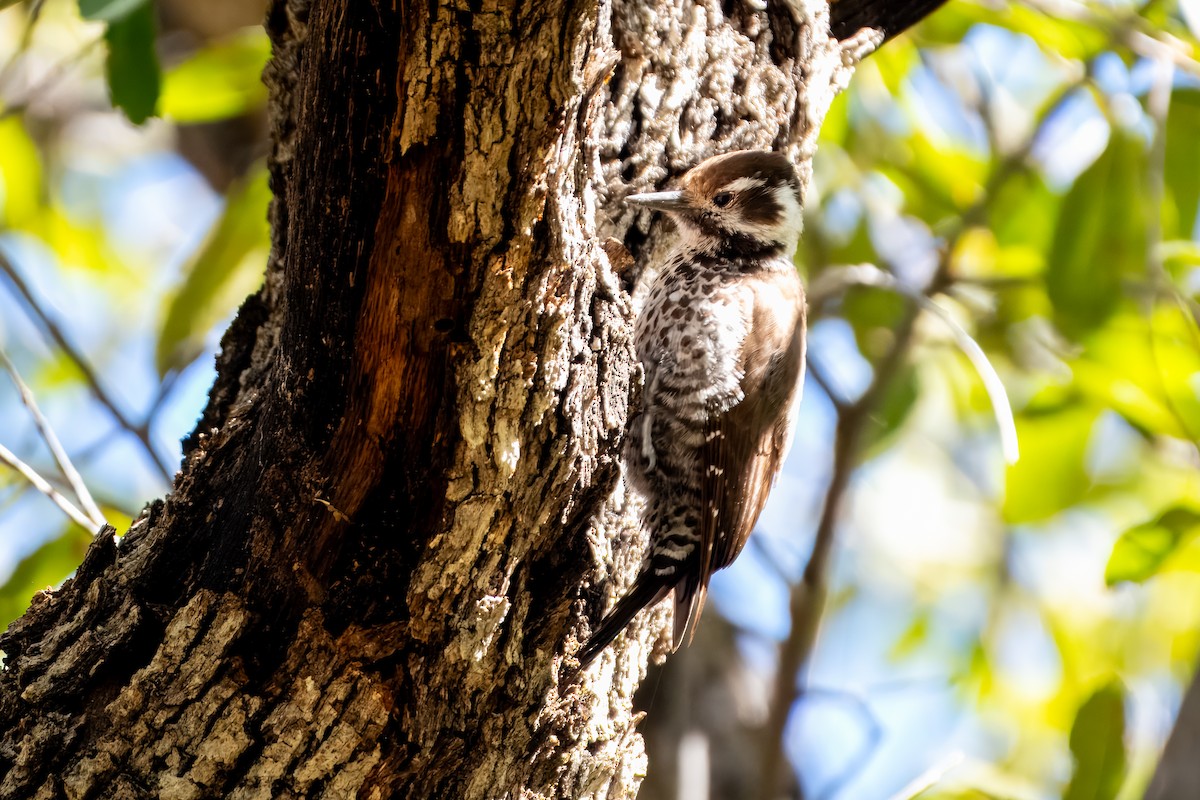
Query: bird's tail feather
x,y
689,603
647,590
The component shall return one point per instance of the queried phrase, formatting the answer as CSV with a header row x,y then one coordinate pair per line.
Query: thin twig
x,y
74,479
43,486
865,752
817,373
1130,29
870,275
49,80
140,431
929,777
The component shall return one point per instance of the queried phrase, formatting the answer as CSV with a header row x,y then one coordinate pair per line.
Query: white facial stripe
x,y
743,185
793,215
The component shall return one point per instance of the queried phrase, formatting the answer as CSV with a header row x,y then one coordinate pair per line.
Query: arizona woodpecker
x,y
721,341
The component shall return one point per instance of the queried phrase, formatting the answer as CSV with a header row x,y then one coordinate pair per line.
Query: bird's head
x,y
746,202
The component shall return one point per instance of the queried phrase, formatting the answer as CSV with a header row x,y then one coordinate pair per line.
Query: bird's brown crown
x,y
745,202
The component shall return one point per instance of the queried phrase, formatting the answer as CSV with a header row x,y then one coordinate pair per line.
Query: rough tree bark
x,y
402,502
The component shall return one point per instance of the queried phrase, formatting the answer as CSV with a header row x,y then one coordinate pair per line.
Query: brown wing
x,y
745,446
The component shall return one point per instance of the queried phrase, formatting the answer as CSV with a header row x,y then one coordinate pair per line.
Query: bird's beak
x,y
663,201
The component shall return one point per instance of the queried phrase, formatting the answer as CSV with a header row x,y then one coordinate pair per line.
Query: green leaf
x,y
1051,475
1098,745
1182,165
1101,237
896,63
1144,368
857,249
109,10
938,181
223,80
1023,212
1140,552
874,314
1180,256
45,567
227,267
132,65
836,123
913,637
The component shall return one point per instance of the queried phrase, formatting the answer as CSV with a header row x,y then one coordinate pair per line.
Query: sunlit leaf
x,y
119,520
1051,475
1144,367
1024,212
109,10
1055,34
222,80
1098,746
949,26
836,123
895,62
1141,551
44,568
915,635
78,244
978,255
20,174
874,315
1101,237
227,267
132,65
1182,164
1180,256
938,181
955,173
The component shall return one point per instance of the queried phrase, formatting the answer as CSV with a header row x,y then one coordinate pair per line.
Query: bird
x,y
721,340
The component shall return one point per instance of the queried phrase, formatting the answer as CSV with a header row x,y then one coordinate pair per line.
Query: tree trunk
x,y
1178,774
402,505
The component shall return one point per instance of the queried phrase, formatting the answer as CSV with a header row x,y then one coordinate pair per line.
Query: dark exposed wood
x,y
847,16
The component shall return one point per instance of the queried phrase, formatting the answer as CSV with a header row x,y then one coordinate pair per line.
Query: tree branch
x,y
42,485
74,479
51,327
846,17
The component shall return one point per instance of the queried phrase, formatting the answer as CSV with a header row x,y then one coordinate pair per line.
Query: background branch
x,y
140,431
42,485
56,449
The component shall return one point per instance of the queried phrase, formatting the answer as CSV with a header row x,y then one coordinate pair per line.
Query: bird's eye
x,y
723,199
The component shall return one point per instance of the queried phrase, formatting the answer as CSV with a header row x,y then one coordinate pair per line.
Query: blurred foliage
x,y
1098,746
1040,169
223,271
95,252
1042,172
45,567
212,83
